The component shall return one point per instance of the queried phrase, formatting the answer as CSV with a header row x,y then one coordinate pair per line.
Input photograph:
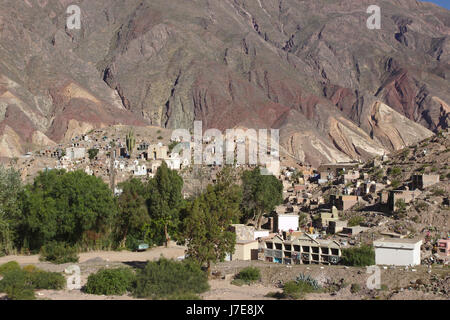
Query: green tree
x,y
64,206
10,189
207,226
261,193
132,211
165,200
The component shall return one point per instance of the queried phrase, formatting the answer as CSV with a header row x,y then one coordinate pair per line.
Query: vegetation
x,y
168,279
247,276
111,282
436,192
9,266
92,153
58,253
355,221
261,193
64,206
208,218
165,200
10,189
355,288
358,256
400,206
395,171
133,214
19,284
130,141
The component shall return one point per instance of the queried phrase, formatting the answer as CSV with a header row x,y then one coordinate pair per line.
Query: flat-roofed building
x,y
302,250
397,252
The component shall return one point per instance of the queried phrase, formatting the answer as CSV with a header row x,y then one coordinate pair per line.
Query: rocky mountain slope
x,y
335,89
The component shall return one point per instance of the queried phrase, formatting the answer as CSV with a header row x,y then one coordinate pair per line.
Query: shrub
x,y
355,221
396,171
92,153
111,282
165,278
17,285
249,275
395,184
355,288
297,289
47,280
358,257
438,192
58,253
9,266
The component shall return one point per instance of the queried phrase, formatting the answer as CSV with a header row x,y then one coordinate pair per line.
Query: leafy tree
x,y
206,226
165,200
133,213
63,207
261,193
10,189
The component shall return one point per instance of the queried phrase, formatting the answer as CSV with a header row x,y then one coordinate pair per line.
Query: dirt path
x,y
172,251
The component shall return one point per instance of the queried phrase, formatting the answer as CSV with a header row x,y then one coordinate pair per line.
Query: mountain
x,y
311,68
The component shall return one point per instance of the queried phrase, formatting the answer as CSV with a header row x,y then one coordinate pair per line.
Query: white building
x,y
397,252
287,222
75,153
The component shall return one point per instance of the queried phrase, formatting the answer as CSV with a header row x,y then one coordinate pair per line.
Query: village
x,y
335,206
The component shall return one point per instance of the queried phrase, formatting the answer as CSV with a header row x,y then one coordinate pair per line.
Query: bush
x,y
17,285
438,192
297,289
165,278
355,288
355,221
47,280
58,253
111,282
249,275
358,257
9,266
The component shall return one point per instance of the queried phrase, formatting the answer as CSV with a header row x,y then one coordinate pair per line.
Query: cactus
x,y
308,279
131,141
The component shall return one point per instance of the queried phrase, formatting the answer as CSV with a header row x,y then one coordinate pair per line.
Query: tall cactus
x,y
131,141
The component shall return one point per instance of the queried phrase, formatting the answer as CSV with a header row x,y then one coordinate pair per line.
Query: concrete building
x,y
286,222
156,152
337,226
405,195
444,247
397,252
334,168
343,202
422,181
245,250
302,250
75,153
